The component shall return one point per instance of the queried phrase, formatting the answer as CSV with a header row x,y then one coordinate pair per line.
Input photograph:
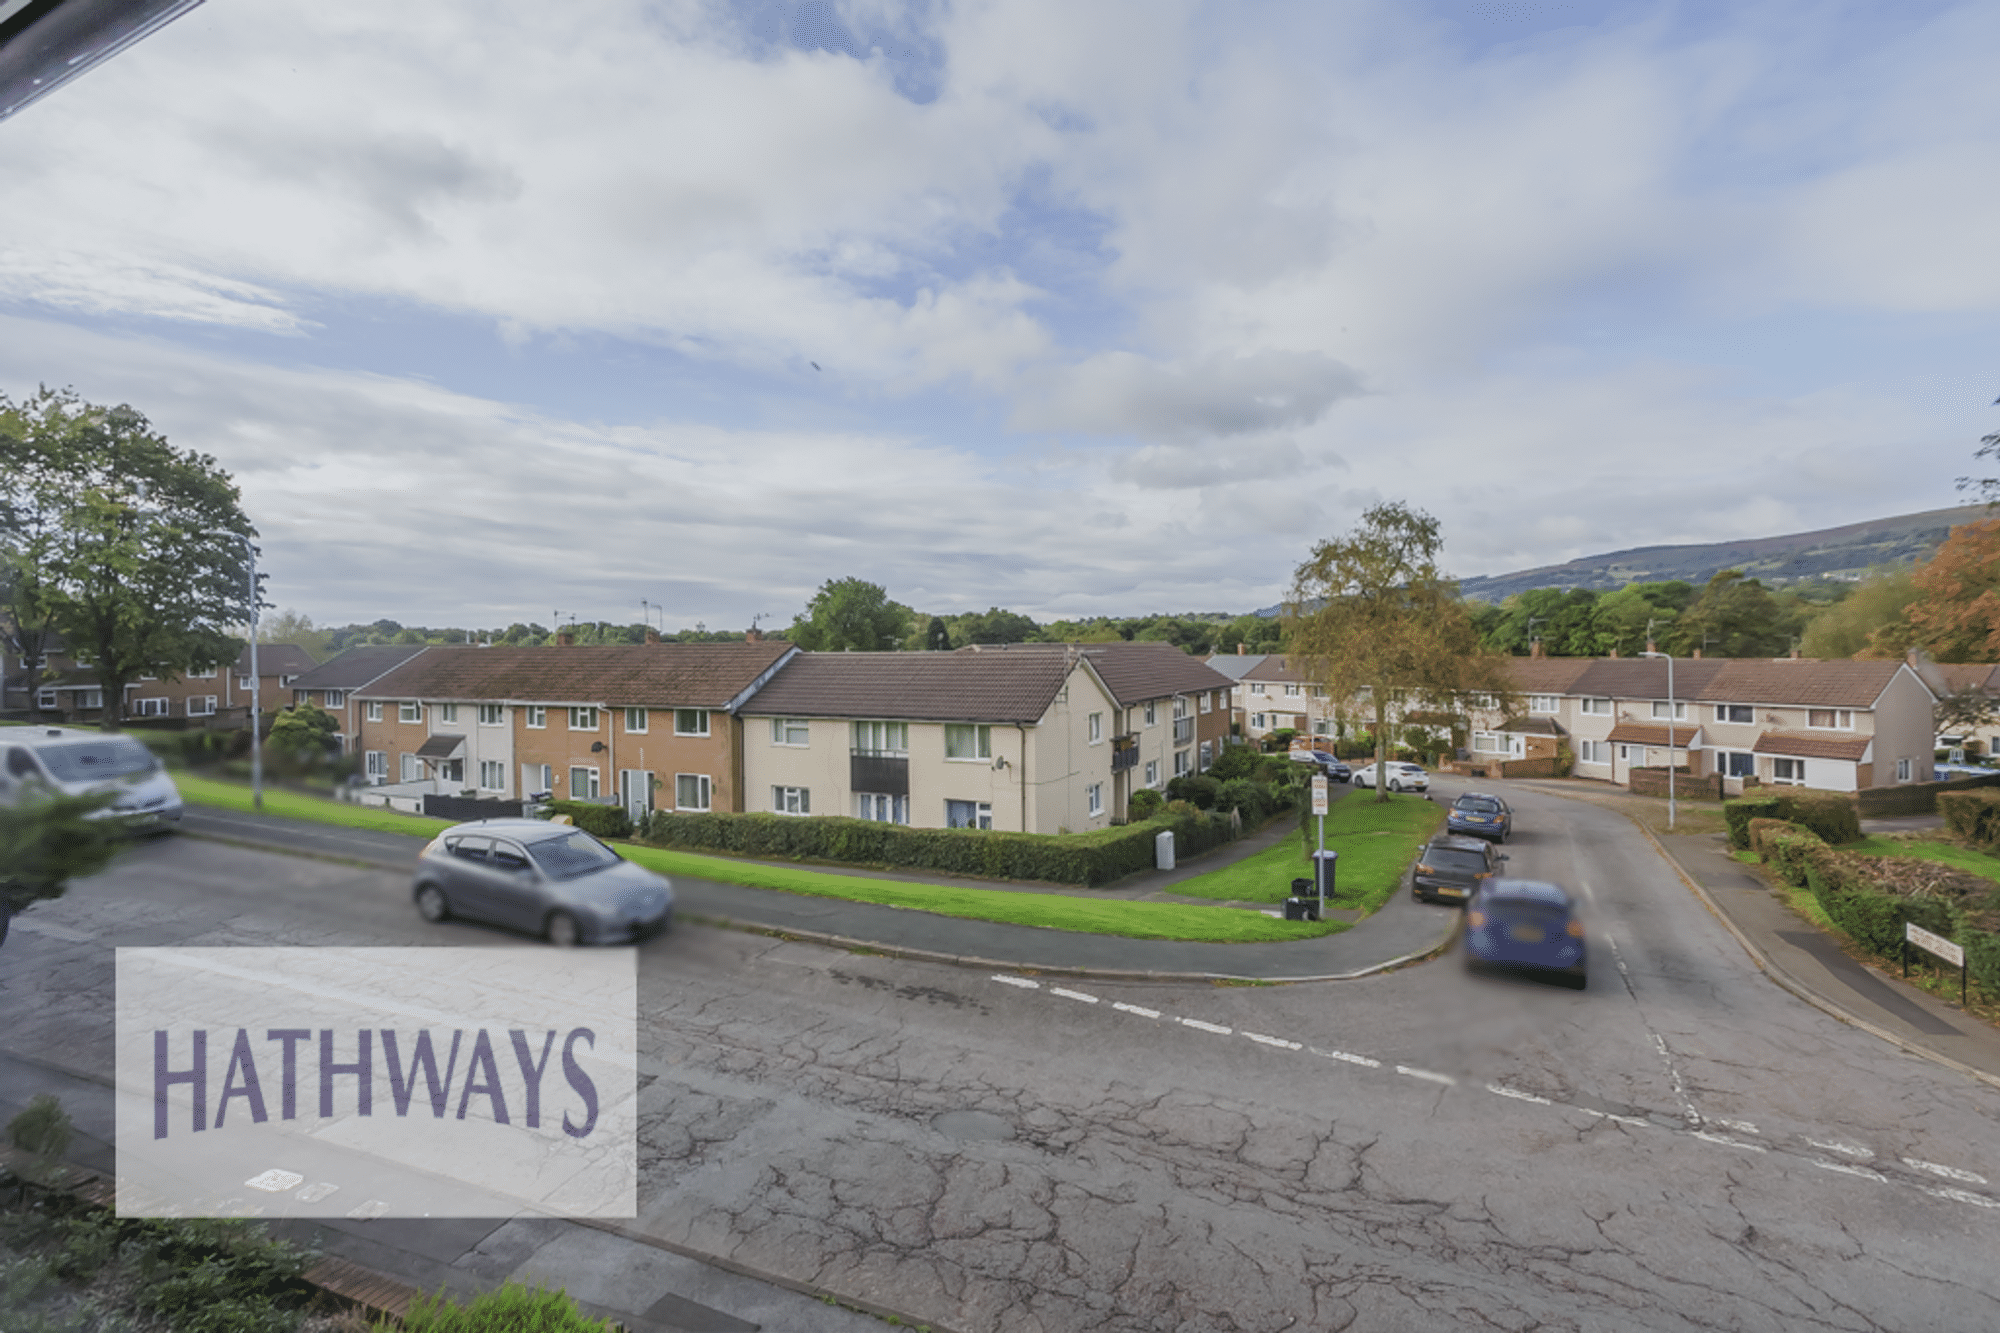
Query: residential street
x,y
1682,1145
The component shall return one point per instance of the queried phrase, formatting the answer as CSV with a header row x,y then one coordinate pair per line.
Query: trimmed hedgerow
x,y
1738,814
1791,853
605,821
1834,818
1973,815
1096,857
1760,831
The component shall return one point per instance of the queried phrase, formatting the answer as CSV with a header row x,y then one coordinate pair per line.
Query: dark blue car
x,y
1336,769
1480,815
1524,924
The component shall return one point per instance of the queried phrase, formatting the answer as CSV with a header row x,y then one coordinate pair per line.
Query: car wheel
x,y
1395,786
563,931
432,905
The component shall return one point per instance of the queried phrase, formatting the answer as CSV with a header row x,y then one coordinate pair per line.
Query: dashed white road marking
x,y
1740,1126
1426,1075
1962,1196
1726,1141
1200,1026
1349,1057
1279,1042
1518,1095
1948,1172
1613,1115
1847,1169
275,1181
1844,1149
1135,1009
1072,995
368,1211
1022,982
316,1191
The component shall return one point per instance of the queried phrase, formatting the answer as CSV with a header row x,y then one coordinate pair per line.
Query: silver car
x,y
543,878
79,763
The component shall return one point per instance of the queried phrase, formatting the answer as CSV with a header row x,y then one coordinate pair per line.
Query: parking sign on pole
x,y
1319,793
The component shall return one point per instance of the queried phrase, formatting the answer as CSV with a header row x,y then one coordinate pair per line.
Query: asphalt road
x,y
1682,1145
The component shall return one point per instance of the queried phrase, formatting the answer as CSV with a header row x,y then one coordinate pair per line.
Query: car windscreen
x,y
94,761
1451,858
1479,805
571,855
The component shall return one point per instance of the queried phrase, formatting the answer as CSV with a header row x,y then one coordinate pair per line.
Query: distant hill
x,y
1844,553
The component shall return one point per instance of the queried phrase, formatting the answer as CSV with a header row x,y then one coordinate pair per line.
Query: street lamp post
x,y
1670,734
256,701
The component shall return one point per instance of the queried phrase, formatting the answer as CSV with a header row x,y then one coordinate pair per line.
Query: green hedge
x,y
1973,815
1093,858
1738,814
1874,918
1792,855
1832,816
1759,832
1982,958
606,821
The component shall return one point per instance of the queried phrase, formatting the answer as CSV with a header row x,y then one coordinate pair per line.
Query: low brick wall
x,y
1687,787
1913,798
1548,766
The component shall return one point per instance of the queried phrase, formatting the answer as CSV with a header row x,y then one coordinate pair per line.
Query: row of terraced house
x,y
1030,737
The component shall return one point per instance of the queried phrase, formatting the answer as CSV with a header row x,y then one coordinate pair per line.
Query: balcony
x,y
1124,753
877,773
1183,731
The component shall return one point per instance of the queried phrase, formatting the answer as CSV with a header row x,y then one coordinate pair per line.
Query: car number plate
x,y
1526,934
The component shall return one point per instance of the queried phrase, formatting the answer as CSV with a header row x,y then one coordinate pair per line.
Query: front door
x,y
635,792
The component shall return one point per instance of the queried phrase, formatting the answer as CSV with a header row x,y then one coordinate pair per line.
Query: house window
x,y
1207,753
1733,713
90,699
201,705
691,791
881,809
407,711
1152,772
1180,763
1322,726
1837,719
1256,687
890,739
962,740
371,712
451,770
492,775
448,713
375,763
1789,770
1291,689
1624,754
1595,707
789,731
1593,752
1677,711
1152,713
791,800
583,719
582,782
143,707
1093,795
1096,728
1489,742
46,699
968,814
489,715
334,698
202,675
1543,703
690,722
1736,763
243,683
1207,702
1902,770
538,716
1257,721
411,769
635,721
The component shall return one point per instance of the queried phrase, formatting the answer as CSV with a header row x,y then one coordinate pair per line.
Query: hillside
x,y
1844,552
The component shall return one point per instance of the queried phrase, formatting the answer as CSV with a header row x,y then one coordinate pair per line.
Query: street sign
x,y
1937,944
1319,793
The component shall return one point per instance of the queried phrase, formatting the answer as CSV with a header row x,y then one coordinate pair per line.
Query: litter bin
x,y
1301,909
1302,888
1163,850
1323,872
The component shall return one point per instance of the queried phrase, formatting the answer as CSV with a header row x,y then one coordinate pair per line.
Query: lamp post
x,y
1670,734
256,704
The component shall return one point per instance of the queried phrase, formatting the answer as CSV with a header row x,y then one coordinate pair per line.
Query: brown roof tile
x,y
652,675
1807,745
1645,677
355,667
1802,681
277,659
926,687
1532,726
1960,676
1545,675
1133,672
1648,733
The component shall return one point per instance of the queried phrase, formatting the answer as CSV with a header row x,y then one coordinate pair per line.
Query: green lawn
x,y
1376,843
1964,858
1095,916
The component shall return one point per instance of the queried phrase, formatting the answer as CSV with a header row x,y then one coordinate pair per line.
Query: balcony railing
x,y
1183,731
1124,753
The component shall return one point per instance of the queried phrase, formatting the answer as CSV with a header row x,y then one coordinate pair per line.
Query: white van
x,y
77,762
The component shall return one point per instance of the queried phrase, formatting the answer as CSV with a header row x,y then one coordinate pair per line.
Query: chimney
x,y
565,639
753,635
1795,654
1242,648
1535,648
1614,652
1696,652
652,636
1651,647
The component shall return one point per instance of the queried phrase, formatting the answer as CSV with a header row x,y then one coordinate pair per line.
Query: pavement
x,y
649,1288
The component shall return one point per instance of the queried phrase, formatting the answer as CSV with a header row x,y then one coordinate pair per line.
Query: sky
x,y
502,311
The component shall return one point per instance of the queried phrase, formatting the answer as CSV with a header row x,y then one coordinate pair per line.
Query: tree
x,y
1869,622
1734,616
997,626
1988,487
305,732
1372,613
124,544
937,638
851,614
295,627
1956,616
48,839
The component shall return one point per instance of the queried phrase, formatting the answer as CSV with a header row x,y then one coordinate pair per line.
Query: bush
x,y
1834,818
513,1307
604,821
1236,761
1760,831
1973,815
1791,853
1738,814
1145,804
1873,918
1096,857
1198,789
1253,799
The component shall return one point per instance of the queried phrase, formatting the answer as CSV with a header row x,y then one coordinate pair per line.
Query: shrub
x,y
1982,959
1760,831
512,1307
605,821
1146,803
1791,853
1740,812
1565,760
1872,917
1835,819
1253,799
1198,789
1236,761
1973,815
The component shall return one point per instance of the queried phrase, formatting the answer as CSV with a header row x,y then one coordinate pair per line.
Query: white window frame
x,y
242,682
375,765
697,716
1207,701
90,698
637,722
980,739
880,808
1292,691
151,707
1679,710
537,718
371,711
1593,752
334,698
1843,719
408,710
1207,755
593,789
492,715
1722,714
792,732
1544,703
1093,796
791,800
1797,777
1257,722
583,717
704,791
209,674
1902,770
1594,707
1181,763
46,699
886,739
1152,772
201,705
492,775
982,814
1097,728
1725,762
1152,713
1257,687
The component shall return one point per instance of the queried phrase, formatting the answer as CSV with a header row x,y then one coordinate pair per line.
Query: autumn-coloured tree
x,y
1956,617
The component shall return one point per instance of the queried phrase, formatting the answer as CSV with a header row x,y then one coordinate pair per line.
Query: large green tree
x,y
1372,616
1735,616
852,614
125,545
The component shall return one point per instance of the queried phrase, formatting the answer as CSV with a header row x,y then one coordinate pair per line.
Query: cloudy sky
x,y
498,310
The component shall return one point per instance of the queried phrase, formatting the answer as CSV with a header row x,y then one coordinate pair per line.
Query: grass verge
x,y
234,796
1961,858
1376,842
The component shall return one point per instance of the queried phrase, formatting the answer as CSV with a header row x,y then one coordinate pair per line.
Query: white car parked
x,y
1400,777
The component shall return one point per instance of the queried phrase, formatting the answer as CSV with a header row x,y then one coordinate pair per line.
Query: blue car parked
x,y
1480,815
1527,925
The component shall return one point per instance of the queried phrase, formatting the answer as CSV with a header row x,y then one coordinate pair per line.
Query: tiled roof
x,y
355,667
1801,681
1807,745
1959,676
918,687
651,675
1236,665
1645,677
1648,733
1545,675
440,746
277,659
1532,726
1133,672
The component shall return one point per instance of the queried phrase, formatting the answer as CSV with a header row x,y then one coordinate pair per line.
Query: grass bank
x,y
1376,842
1962,858
295,805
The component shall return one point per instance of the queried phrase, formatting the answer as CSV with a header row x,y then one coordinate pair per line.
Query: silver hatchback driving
x,y
547,879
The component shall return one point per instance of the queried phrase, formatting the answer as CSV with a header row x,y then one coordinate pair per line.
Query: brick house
x,y
332,685
1267,694
63,682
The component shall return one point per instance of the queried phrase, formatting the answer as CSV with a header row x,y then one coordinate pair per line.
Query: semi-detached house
x,y
643,725
333,685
